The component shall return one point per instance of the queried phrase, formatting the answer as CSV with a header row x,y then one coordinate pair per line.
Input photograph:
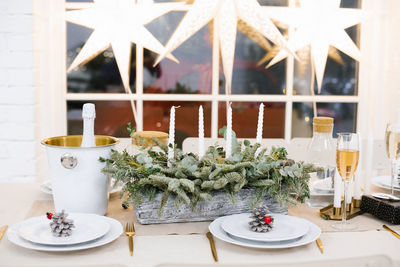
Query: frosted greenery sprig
x,y
190,179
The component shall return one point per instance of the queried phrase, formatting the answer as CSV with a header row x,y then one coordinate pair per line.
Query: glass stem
x,y
344,213
393,176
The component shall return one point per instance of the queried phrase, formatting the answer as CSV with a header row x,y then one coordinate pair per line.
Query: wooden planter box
x,y
220,205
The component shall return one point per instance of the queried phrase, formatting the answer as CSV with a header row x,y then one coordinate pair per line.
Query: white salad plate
x,y
323,186
115,231
385,182
215,228
385,196
87,228
46,188
284,228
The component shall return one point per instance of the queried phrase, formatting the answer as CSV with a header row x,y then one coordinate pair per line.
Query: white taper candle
x,y
360,168
357,185
260,123
337,198
260,127
171,138
201,132
349,192
229,132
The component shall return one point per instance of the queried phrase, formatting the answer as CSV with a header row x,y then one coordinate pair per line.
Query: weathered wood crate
x,y
220,205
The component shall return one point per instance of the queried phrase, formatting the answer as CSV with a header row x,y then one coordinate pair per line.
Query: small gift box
x,y
382,209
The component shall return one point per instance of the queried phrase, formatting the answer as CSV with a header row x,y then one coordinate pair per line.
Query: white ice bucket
x,y
75,172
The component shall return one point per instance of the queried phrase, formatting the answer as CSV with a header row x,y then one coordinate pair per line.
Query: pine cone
x,y
258,222
60,225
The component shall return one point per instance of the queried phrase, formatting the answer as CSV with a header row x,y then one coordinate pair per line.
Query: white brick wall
x,y
17,92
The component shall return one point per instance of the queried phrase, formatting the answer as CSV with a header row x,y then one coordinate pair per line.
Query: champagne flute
x,y
392,139
347,154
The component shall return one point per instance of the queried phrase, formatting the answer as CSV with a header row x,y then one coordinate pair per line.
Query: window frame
x,y
215,97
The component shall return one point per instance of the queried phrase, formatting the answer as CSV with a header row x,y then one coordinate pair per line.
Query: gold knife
x,y
392,231
319,244
2,231
212,245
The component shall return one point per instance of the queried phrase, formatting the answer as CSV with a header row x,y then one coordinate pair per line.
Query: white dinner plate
x,y
87,228
385,182
284,228
115,231
46,188
313,233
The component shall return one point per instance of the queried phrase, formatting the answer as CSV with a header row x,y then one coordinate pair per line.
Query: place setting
x,y
261,229
392,181
64,232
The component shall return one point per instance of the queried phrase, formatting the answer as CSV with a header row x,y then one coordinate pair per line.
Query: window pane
x,y
111,117
344,115
193,73
249,73
250,77
340,75
341,71
156,118
99,75
245,117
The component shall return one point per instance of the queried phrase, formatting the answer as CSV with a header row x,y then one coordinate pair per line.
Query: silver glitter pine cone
x,y
60,225
257,223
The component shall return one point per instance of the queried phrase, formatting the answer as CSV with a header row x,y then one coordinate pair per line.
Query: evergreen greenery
x,y
190,179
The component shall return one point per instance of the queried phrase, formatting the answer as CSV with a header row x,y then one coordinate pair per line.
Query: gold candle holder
x,y
332,213
357,203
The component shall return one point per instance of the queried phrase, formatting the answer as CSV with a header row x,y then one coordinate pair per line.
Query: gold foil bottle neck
x,y
323,124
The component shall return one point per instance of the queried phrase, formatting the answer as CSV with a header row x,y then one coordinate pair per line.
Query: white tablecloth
x,y
16,200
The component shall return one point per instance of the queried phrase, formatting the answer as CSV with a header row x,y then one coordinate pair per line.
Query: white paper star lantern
x,y
118,23
303,55
250,32
225,14
319,24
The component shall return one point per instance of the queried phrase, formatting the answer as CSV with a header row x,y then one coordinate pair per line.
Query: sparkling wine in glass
x,y
347,154
392,138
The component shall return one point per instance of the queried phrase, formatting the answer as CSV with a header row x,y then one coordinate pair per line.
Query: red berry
x,y
267,219
49,215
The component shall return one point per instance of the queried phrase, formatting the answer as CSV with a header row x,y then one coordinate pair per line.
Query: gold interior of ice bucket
x,y
76,140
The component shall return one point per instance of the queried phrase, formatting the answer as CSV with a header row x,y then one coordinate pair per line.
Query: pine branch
x,y
191,180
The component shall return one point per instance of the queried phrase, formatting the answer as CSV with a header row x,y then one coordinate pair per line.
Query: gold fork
x,y
130,232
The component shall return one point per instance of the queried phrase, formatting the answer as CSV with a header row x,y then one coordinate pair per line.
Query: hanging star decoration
x,y
225,15
318,24
117,24
250,32
303,54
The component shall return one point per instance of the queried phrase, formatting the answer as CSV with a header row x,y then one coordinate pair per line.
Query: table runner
x,y
364,222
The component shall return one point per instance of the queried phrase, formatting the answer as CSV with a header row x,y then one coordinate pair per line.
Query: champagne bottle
x,y
88,115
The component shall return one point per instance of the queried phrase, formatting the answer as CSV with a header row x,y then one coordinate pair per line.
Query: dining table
x,y
186,244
